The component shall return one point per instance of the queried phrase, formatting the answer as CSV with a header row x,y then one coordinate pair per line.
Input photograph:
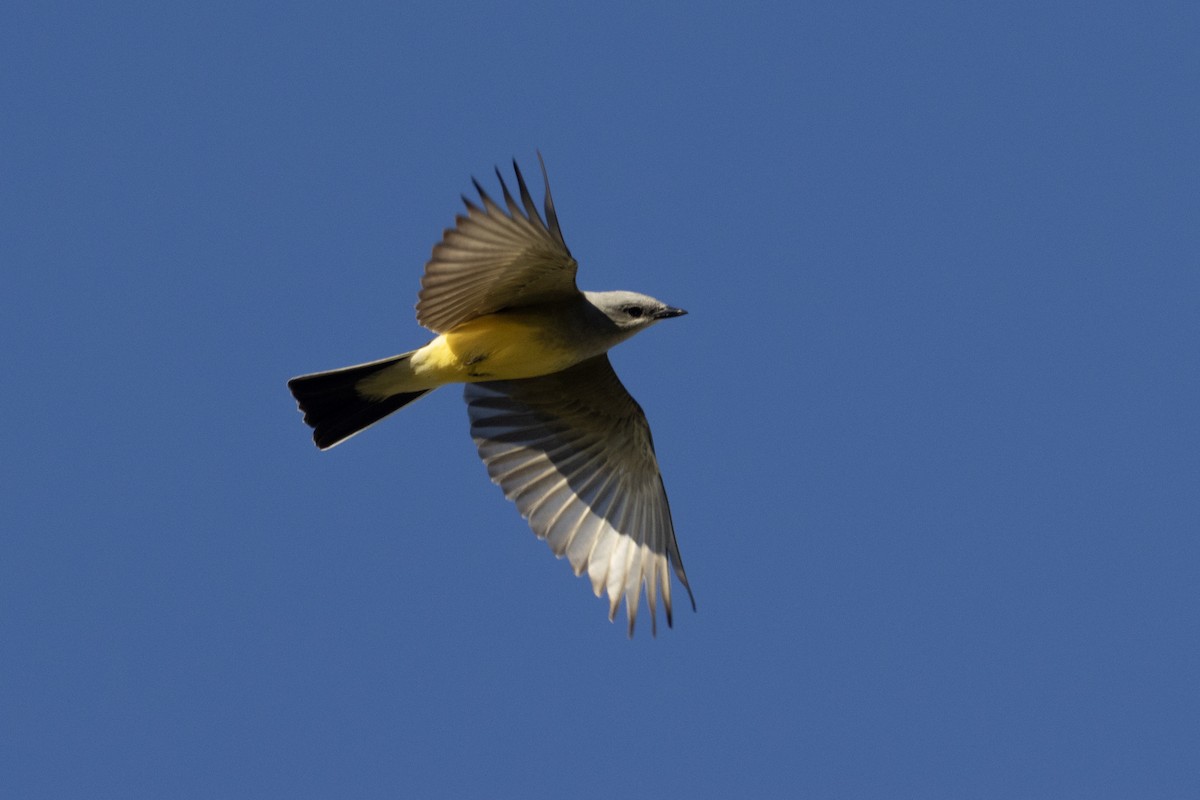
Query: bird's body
x,y
551,420
502,346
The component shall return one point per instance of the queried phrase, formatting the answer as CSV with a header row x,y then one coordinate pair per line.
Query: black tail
x,y
333,406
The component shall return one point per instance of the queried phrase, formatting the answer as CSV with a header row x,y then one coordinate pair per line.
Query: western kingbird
x,y
552,422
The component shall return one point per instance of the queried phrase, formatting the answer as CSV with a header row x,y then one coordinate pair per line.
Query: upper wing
x,y
493,259
573,451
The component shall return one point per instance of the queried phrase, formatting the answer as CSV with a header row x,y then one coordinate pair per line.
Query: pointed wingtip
x,y
508,198
551,214
526,198
488,202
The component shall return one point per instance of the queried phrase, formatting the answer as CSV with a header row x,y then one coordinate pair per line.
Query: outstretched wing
x,y
573,451
496,258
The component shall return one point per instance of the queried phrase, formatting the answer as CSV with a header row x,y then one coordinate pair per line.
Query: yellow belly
x,y
493,347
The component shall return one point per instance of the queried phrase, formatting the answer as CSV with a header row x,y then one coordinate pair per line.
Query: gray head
x,y
630,311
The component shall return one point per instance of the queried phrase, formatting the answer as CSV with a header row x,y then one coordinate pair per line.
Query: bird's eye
x,y
634,312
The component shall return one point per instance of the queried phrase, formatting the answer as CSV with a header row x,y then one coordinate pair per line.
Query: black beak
x,y
669,312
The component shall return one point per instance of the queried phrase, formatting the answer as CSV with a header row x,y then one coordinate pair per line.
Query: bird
x,y
555,427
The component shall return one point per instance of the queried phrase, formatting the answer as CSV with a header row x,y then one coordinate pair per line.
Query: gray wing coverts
x,y
496,258
573,451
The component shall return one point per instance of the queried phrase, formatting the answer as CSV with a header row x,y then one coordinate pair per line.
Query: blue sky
x,y
929,431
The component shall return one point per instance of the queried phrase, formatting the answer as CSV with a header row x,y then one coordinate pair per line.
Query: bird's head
x,y
631,312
